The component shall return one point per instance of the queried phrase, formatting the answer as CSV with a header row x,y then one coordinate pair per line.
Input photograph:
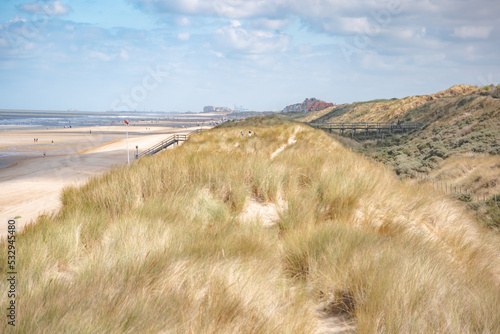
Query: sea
x,y
21,119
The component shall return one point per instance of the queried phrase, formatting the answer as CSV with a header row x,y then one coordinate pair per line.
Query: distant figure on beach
x,y
44,153
249,133
242,133
90,131
52,142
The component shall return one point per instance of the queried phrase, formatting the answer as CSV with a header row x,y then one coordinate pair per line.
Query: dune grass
x,y
460,145
158,247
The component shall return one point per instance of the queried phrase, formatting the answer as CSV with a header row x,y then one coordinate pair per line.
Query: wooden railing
x,y
174,139
369,127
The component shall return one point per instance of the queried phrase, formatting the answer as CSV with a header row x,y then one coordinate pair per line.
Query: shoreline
x,y
31,184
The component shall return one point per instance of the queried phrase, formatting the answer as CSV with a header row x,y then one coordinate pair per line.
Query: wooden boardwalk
x,y
172,140
365,128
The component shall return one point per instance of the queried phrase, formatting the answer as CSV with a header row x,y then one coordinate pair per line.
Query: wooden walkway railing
x,y
174,139
369,127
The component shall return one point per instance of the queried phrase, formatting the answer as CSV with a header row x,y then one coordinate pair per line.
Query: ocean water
x,y
27,118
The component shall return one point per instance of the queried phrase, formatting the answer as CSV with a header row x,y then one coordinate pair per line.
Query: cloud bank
x,y
256,53
51,8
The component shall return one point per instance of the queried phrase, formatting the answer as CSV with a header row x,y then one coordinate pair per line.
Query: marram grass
x,y
159,247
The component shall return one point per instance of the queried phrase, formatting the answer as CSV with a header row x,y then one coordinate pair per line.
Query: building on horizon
x,y
312,104
209,109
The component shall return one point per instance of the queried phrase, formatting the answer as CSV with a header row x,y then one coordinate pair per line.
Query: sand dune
x,y
32,184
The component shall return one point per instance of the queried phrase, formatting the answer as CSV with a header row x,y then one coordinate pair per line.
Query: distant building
x,y
308,105
210,109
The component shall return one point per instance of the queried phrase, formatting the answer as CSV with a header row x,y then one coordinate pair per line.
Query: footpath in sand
x,y
32,186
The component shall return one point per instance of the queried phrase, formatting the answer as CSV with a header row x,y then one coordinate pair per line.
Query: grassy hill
x,y
280,232
460,146
383,110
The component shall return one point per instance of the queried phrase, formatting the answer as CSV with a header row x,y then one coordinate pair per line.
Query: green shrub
x,y
463,101
425,170
465,197
487,212
440,151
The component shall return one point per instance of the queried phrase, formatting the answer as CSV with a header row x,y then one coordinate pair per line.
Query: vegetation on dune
x,y
459,146
384,110
160,246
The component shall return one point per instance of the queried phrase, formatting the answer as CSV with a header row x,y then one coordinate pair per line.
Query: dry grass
x,y
386,111
480,173
311,116
159,247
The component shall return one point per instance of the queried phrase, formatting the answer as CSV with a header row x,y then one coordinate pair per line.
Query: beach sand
x,y
31,184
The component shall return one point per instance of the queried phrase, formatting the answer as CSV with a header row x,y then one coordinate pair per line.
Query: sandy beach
x,y
31,183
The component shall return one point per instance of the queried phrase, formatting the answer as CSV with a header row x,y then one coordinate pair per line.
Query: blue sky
x,y
173,55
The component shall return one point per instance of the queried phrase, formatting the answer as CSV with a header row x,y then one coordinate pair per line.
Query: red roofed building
x,y
308,105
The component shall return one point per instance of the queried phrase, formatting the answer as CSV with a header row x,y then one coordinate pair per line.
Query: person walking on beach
x,y
44,153
249,133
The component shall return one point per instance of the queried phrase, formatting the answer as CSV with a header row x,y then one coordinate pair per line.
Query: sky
x,y
181,55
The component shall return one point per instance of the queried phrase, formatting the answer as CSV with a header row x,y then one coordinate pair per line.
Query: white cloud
x,y
252,41
355,25
183,36
411,33
271,24
235,23
17,19
53,8
344,16
223,8
433,42
124,55
101,56
473,32
217,54
182,21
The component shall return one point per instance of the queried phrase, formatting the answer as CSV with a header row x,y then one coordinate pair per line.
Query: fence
x,y
451,189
